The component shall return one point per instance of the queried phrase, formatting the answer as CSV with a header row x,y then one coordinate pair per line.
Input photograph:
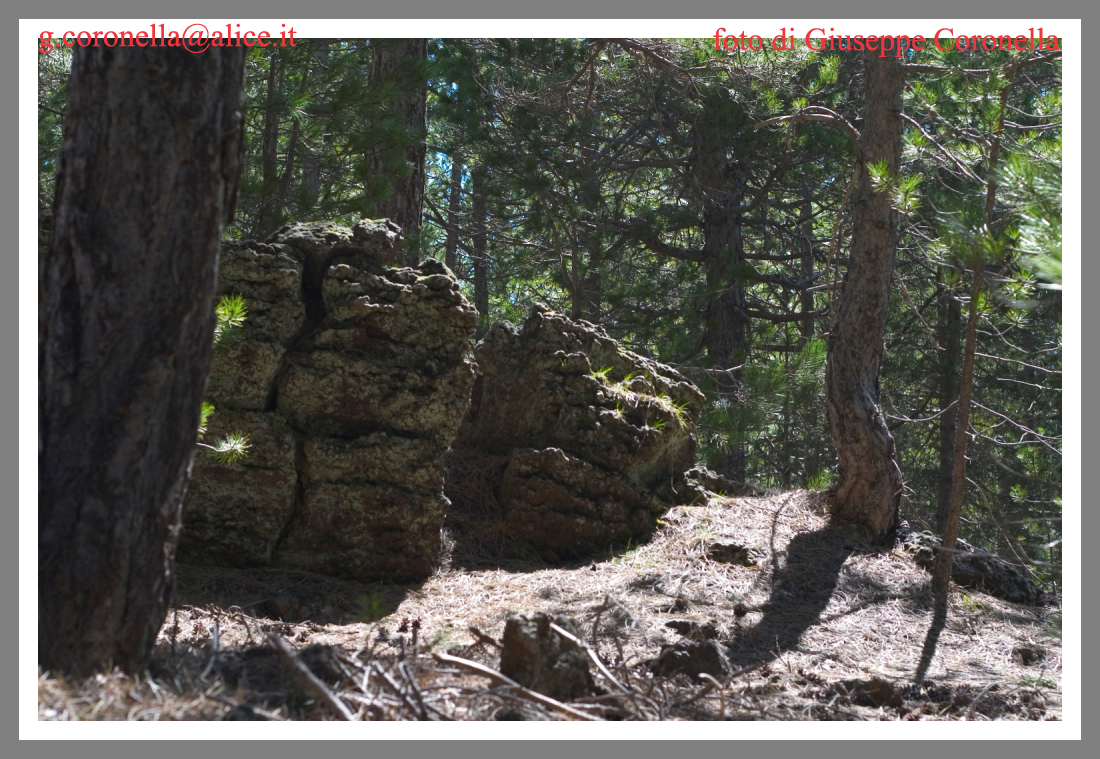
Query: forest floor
x,y
813,623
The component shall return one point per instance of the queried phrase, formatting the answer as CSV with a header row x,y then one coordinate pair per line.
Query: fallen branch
x,y
711,683
721,693
213,652
483,638
525,693
306,677
591,655
398,690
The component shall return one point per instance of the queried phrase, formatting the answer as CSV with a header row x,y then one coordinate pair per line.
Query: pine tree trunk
x,y
806,245
311,168
148,179
951,342
454,210
268,214
726,325
868,490
481,254
941,573
396,171
588,279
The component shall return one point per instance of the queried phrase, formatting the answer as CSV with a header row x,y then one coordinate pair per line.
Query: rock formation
x,y
578,443
351,380
973,567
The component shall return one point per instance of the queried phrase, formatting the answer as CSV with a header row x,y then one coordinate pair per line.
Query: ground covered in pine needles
x,y
788,618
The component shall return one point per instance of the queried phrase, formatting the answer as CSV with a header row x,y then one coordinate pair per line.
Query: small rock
x,y
689,628
1029,654
873,692
284,608
243,713
691,658
537,657
731,553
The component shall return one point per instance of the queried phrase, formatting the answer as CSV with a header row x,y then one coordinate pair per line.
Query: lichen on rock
x,y
359,376
598,439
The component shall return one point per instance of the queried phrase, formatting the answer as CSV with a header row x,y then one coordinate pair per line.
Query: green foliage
x,y
1035,188
906,194
881,179
231,313
629,185
205,413
230,449
1013,502
823,480
1045,682
372,608
53,96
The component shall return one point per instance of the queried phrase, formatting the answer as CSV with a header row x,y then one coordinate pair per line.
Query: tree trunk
x,y
268,214
480,255
726,324
311,168
951,342
588,278
806,249
576,272
148,178
454,210
868,490
726,328
941,573
395,170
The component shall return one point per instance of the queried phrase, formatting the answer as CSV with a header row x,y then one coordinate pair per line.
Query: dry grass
x,y
824,626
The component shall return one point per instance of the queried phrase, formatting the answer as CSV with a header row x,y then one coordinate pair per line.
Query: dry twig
x,y
306,677
525,693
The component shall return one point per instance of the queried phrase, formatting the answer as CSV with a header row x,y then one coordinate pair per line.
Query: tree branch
x,y
816,113
958,164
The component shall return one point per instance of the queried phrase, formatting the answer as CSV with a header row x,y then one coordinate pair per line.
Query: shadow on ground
x,y
800,592
286,595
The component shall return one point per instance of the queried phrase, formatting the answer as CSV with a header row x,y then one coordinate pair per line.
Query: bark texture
x,y
269,214
951,342
727,324
454,211
395,170
868,490
148,178
481,254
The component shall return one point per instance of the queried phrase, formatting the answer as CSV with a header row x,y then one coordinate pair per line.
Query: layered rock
x,y
351,380
595,440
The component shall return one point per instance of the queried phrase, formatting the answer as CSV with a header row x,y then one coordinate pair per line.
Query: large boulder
x,y
351,380
597,440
